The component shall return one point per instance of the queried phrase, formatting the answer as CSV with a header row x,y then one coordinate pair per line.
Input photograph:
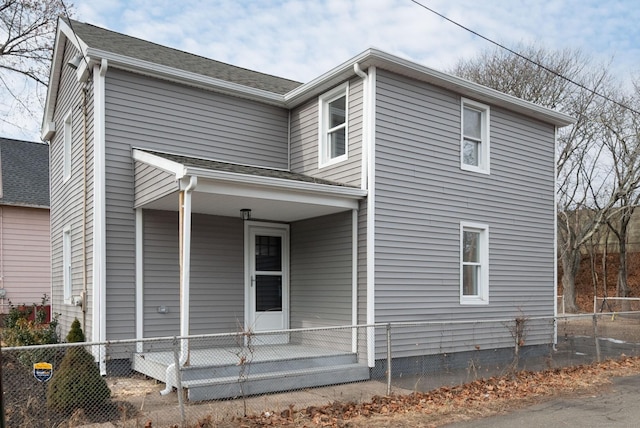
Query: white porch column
x,y
185,264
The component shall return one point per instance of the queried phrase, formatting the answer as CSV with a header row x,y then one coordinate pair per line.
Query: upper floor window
x,y
475,137
474,263
333,119
66,167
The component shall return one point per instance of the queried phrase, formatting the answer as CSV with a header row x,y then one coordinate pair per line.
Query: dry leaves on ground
x,y
448,404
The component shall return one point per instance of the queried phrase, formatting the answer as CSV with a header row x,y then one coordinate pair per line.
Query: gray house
x,y
191,197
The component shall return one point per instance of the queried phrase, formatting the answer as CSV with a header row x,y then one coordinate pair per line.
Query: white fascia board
x,y
159,162
384,60
63,33
185,77
285,184
473,89
276,194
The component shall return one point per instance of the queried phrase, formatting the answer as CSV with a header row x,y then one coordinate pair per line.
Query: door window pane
x,y
268,253
268,293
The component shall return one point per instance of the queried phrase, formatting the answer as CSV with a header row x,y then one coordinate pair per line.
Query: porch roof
x,y
225,188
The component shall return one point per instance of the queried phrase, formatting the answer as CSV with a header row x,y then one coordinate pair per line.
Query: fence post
x,y
178,380
595,335
389,359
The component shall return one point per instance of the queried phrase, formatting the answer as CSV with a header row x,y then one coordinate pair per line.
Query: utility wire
x,y
542,66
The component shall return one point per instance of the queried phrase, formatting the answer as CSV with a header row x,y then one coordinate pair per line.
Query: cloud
x,y
301,39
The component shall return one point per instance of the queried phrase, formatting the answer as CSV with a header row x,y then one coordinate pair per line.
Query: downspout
x,y
185,273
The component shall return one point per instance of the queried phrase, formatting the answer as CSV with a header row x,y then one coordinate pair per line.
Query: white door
x,y
268,280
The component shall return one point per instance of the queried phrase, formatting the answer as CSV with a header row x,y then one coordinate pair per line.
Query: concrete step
x,y
275,381
195,372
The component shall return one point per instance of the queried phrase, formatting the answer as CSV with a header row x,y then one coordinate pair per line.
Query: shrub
x,y
26,326
20,330
77,384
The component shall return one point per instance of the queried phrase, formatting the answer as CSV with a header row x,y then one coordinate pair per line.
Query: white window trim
x,y
485,144
323,146
482,298
66,265
67,144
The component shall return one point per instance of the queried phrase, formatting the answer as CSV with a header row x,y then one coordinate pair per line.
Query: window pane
x,y
268,253
337,112
337,145
268,293
472,123
470,151
471,247
470,277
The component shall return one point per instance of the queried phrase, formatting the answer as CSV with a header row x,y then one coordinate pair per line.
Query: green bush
x,y
77,384
19,330
26,326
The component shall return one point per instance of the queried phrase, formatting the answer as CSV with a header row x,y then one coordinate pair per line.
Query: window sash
x,y
474,262
474,144
333,146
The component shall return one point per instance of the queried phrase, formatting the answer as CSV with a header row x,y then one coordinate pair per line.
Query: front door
x,y
268,280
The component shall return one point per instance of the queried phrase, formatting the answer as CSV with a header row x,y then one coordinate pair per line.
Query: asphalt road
x,y
617,405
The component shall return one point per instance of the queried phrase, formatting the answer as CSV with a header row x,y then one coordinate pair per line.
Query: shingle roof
x,y
244,169
110,41
24,166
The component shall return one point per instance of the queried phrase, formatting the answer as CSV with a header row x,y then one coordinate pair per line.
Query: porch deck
x,y
216,373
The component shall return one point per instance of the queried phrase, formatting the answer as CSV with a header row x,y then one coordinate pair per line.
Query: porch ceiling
x,y
225,189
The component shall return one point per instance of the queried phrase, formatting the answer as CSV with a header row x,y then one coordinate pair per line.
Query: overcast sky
x,y
301,39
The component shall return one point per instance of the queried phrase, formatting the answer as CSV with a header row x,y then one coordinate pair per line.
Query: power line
x,y
519,55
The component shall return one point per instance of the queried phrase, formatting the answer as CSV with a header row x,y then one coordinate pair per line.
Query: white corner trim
x,y
139,280
99,316
371,222
555,239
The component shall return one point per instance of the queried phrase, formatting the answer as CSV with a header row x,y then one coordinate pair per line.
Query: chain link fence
x,y
212,380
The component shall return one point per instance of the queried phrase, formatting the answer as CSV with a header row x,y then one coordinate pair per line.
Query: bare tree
x,y
622,141
582,180
27,33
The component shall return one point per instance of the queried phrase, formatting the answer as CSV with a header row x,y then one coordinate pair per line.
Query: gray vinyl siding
x,y
67,198
152,114
422,195
217,274
305,135
152,183
159,115
321,266
321,279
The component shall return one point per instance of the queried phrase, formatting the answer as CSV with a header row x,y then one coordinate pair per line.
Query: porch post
x,y
185,265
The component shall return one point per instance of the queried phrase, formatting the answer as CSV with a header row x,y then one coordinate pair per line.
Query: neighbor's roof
x,y
24,173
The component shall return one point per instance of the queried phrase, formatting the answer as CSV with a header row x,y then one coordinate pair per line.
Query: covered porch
x,y
229,249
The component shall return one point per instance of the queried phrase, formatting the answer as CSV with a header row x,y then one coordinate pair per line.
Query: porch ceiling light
x,y
245,213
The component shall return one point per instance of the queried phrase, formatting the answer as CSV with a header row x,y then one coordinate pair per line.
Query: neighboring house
x,y
381,191
25,256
